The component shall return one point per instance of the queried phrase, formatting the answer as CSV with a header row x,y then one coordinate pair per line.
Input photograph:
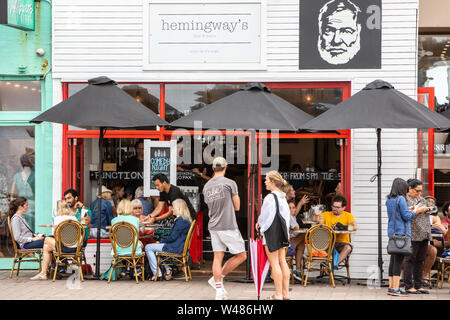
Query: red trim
x,y
74,164
64,160
101,241
430,92
81,148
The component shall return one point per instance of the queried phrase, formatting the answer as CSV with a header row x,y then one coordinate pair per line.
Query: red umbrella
x,y
259,264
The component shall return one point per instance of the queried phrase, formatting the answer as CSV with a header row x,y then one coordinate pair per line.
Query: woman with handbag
x,y
399,232
273,223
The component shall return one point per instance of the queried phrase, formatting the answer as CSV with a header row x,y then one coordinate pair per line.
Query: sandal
x,y
273,297
286,298
168,274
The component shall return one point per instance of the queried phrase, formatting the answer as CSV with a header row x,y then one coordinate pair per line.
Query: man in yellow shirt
x,y
339,215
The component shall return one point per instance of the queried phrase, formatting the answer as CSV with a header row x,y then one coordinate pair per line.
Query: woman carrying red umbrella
x,y
273,223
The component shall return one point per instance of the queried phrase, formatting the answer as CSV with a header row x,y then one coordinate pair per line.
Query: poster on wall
x,y
159,157
340,34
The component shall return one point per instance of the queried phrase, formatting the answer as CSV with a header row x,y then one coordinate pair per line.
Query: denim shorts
x,y
38,244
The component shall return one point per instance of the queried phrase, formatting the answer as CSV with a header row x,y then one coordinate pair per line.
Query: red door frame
x,y
430,92
163,133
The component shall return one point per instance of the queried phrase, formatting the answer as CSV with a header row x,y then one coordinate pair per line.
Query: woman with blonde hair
x,y
174,242
273,223
125,213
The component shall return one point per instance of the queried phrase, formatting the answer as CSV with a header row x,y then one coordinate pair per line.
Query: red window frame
x,y
162,134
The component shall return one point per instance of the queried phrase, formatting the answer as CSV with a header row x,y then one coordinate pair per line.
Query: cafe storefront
x,y
177,56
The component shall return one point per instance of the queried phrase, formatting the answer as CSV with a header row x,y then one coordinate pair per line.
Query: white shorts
x,y
223,239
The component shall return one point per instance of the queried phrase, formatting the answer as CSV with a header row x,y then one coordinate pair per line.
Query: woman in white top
x,y
277,258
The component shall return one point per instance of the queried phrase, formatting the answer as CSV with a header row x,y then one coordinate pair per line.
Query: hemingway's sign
x,y
17,13
213,35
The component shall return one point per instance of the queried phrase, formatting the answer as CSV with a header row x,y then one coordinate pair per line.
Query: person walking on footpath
x,y
273,223
221,196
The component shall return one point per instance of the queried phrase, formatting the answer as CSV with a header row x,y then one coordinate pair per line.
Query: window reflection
x,y
20,95
434,70
17,177
187,98
311,101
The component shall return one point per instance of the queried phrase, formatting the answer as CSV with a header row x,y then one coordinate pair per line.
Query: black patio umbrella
x,y
253,107
101,105
378,106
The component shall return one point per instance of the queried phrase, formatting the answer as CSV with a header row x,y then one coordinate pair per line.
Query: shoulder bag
x,y
399,244
277,236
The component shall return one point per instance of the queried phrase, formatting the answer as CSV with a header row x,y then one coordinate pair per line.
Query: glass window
x,y
434,70
147,94
183,99
312,101
16,177
20,95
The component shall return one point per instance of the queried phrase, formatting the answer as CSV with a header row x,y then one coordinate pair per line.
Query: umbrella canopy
x,y
101,104
253,107
259,264
378,105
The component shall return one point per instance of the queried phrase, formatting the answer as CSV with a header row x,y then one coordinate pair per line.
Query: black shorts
x,y
339,245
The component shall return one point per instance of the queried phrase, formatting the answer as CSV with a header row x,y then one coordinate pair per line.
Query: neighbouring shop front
x,y
25,90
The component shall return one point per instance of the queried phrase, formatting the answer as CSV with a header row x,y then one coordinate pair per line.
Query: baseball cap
x,y
219,162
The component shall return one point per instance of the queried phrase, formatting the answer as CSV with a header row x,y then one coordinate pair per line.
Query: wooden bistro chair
x,y
320,238
125,235
443,270
68,233
26,255
175,259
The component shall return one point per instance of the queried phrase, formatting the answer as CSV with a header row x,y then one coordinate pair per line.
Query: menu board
x,y
159,158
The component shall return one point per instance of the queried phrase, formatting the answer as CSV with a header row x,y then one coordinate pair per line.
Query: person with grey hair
x,y
147,206
339,31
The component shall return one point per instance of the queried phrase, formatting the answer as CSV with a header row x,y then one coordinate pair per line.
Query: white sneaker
x,y
39,277
212,283
221,295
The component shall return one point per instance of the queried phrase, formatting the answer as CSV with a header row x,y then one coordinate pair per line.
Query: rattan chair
x,y
321,238
443,270
68,233
26,255
176,259
125,235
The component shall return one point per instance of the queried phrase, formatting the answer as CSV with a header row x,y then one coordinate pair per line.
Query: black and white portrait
x,y
338,34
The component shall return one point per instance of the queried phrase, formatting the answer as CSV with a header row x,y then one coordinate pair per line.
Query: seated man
x,y
339,215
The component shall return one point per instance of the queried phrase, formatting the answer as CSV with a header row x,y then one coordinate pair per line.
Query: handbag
x,y
399,244
277,236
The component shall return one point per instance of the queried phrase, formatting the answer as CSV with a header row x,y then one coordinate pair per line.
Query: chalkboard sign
x,y
159,157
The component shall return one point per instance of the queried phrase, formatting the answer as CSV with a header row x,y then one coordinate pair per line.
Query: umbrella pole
x,y
248,278
99,203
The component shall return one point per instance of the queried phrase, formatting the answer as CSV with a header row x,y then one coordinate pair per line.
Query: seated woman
x,y
63,213
436,246
296,242
124,213
20,228
146,236
174,243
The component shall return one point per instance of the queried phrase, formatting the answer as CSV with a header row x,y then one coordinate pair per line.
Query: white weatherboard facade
x,y
106,37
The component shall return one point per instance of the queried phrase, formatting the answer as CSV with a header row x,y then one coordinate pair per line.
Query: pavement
x,y
22,288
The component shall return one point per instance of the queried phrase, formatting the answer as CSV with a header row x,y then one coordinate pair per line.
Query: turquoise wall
x,y
19,62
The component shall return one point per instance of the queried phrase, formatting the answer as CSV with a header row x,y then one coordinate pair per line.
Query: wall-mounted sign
x,y
159,157
212,35
340,34
17,13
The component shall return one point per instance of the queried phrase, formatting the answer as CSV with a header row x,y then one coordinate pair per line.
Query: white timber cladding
x,y
105,37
